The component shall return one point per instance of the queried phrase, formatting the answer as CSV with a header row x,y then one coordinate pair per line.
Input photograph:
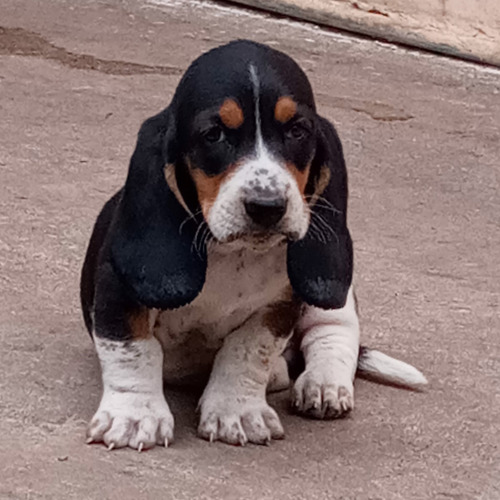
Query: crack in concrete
x,y
378,111
21,42
382,112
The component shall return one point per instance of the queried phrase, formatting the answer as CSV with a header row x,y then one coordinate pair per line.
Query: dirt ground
x,y
422,141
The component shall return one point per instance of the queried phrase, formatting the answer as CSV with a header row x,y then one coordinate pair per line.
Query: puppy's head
x,y
244,155
247,135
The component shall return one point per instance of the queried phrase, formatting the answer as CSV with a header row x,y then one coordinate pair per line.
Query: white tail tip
x,y
379,366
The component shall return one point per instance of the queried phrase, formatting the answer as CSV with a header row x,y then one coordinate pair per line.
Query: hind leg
x,y
330,345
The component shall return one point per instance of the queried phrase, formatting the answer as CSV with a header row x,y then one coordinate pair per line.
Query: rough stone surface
x,y
422,144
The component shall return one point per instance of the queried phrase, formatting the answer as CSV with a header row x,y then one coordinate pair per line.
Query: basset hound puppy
x,y
226,252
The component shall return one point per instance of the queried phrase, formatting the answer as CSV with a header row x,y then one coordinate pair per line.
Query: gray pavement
x,y
422,141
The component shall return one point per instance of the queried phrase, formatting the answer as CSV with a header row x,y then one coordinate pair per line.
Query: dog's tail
x,y
376,365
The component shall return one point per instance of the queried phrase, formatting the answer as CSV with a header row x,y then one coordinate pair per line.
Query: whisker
x,y
208,239
188,218
324,203
326,207
203,240
212,242
316,232
321,221
202,247
195,238
319,224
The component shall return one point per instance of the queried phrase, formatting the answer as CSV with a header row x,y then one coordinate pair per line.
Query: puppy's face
x,y
242,147
246,135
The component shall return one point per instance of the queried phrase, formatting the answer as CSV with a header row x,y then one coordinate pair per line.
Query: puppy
x,y
228,243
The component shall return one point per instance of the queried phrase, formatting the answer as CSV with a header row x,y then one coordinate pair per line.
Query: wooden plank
x,y
464,28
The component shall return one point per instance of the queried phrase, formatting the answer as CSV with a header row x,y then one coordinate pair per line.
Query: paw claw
x,y
315,408
237,423
320,394
139,421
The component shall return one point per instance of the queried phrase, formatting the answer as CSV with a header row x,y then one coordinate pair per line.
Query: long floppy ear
x,y
320,265
151,244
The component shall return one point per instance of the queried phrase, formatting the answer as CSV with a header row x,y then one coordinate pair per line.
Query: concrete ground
x,y
422,141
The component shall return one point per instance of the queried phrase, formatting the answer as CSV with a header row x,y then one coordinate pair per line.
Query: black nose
x,y
266,213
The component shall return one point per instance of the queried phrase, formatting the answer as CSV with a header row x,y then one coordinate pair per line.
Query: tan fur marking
x,y
139,324
285,109
171,180
231,114
321,183
300,176
282,316
208,187
323,180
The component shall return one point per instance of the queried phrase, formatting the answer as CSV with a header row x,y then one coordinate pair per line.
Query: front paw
x,y
321,393
136,420
238,420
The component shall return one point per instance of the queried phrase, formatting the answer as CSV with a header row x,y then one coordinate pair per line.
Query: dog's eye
x,y
297,132
214,134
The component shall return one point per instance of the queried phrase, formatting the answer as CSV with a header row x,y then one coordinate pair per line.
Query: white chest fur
x,y
240,281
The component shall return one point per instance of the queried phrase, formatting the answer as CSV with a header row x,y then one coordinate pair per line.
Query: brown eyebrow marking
x,y
231,113
285,109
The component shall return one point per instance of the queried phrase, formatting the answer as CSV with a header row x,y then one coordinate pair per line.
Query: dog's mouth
x,y
259,242
262,238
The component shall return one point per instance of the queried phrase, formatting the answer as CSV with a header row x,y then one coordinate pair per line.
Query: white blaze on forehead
x,y
259,143
258,174
261,152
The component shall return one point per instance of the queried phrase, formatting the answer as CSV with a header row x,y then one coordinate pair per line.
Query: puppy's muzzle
x,y
266,213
